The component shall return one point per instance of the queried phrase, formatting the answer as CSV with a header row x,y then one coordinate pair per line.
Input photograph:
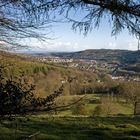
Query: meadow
x,y
71,125
111,106
72,128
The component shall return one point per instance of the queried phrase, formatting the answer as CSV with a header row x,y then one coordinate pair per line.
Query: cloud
x,y
64,46
111,45
126,44
132,45
58,46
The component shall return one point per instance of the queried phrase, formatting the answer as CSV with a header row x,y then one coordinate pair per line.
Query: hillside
x,y
46,77
122,62
121,56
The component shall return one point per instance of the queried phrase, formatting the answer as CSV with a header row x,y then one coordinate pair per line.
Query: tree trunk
x,y
135,107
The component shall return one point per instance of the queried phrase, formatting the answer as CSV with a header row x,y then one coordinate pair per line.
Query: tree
x,y
17,97
22,18
130,91
123,14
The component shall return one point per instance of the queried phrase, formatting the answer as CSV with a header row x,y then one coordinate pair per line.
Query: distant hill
x,y
121,56
46,77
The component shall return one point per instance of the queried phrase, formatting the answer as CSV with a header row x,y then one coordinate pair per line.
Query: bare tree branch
x,y
25,18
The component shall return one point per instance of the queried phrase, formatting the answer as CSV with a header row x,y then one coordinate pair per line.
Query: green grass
x,y
73,128
91,101
66,126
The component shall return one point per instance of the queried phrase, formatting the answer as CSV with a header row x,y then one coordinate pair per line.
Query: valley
x,y
119,64
95,100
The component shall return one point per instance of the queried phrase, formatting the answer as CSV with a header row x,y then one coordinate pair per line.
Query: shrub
x,y
79,109
106,107
98,111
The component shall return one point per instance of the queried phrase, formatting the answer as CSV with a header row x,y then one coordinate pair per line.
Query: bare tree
x,y
122,13
22,18
130,91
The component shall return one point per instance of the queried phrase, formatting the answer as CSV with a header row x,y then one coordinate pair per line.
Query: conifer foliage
x,y
17,97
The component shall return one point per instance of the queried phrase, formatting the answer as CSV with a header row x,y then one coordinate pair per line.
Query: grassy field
x,y
72,128
119,125
91,101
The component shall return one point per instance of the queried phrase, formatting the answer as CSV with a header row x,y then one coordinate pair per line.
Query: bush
x,y
106,107
79,109
98,111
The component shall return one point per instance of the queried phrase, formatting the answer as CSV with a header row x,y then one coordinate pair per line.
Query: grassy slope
x,y
40,74
119,106
79,128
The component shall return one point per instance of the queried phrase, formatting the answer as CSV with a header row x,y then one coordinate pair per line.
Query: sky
x,y
64,39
